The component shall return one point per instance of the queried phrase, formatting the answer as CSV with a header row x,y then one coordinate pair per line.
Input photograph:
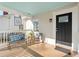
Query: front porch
x,y
37,50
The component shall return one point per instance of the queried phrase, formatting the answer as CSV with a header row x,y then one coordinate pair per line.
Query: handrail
x,y
14,31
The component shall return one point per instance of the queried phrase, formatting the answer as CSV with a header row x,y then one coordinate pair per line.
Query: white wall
x,y
45,26
4,24
49,29
7,23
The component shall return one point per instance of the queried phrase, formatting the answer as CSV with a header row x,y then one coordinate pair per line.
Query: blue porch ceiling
x,y
34,8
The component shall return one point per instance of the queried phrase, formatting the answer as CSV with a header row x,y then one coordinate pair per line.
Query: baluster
x,y
0,38
5,38
8,37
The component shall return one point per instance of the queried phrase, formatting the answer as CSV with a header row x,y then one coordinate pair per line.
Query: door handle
x,y
57,29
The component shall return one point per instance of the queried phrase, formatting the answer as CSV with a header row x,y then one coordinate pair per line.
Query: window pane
x,y
1,13
63,19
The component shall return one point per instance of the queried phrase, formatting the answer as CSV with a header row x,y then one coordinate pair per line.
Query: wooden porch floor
x,y
37,50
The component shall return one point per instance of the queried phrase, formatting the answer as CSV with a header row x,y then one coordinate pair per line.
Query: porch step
x,y
64,46
66,49
62,49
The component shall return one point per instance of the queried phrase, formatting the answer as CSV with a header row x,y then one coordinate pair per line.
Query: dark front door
x,y
64,29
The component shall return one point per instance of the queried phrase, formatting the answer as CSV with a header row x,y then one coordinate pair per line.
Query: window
x,y
1,13
32,25
36,25
29,25
63,19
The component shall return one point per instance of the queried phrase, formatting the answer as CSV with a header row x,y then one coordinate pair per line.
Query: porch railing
x,y
4,36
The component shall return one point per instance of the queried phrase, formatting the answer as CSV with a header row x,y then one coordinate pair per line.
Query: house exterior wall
x,y
49,29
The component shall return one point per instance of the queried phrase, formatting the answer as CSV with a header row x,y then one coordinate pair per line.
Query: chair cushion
x,y
16,37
